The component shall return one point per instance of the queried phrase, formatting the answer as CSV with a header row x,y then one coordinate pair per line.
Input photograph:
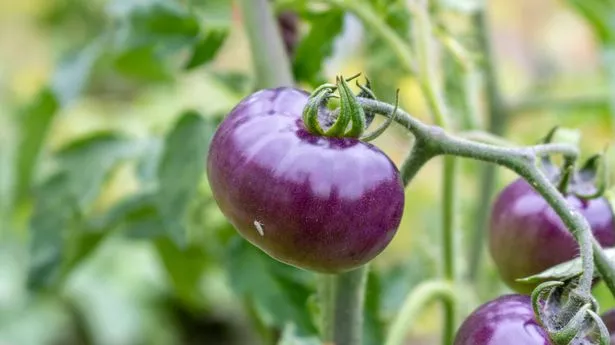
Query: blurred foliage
x,y
108,231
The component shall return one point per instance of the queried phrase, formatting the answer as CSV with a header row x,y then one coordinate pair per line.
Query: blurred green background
x,y
78,266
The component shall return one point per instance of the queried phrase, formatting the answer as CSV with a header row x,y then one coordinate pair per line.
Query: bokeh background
x,y
551,71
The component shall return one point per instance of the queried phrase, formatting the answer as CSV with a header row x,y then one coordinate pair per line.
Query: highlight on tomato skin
x,y
507,320
526,236
325,204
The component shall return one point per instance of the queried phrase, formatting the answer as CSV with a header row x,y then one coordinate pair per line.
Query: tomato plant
x,y
187,172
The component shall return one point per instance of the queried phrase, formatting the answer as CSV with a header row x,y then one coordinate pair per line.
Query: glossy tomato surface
x,y
526,236
609,321
319,203
507,320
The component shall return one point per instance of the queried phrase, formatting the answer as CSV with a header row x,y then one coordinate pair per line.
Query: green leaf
x,y
34,125
181,169
206,48
290,337
600,14
373,329
317,45
152,37
396,14
123,211
55,212
143,63
147,164
163,23
184,269
213,12
88,161
73,73
382,64
563,271
277,292
136,216
61,237
149,35
236,82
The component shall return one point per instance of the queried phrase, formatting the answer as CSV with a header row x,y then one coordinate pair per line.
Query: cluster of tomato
x,y
331,204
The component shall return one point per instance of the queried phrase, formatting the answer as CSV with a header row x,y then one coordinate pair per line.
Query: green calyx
x,y
568,314
590,181
318,100
350,111
349,120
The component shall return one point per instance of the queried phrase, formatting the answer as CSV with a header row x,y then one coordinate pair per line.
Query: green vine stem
x,y
326,295
415,303
523,160
343,298
269,57
426,71
449,243
427,76
608,56
497,121
606,267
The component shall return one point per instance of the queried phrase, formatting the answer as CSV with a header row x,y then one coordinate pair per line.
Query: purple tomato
x,y
507,320
609,321
320,203
526,236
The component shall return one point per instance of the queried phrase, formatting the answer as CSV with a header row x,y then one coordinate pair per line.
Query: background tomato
x,y
507,320
526,236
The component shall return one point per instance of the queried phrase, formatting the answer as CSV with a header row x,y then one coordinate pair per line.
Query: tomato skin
x,y
526,236
609,321
507,320
319,203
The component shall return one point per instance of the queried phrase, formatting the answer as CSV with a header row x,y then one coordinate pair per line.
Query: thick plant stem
x,y
608,56
348,301
326,292
415,304
418,156
497,121
523,161
269,57
605,266
428,79
449,186
426,60
449,243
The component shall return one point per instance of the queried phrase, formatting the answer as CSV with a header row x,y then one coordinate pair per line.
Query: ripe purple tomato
x,y
527,237
320,203
507,320
609,321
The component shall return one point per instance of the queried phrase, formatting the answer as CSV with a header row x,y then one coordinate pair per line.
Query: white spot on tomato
x,y
259,228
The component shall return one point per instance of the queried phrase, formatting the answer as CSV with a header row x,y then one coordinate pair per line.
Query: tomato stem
x,y
428,80
498,115
347,309
271,63
432,141
415,303
326,293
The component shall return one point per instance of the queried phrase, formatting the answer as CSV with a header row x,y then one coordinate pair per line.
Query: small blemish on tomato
x,y
259,228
